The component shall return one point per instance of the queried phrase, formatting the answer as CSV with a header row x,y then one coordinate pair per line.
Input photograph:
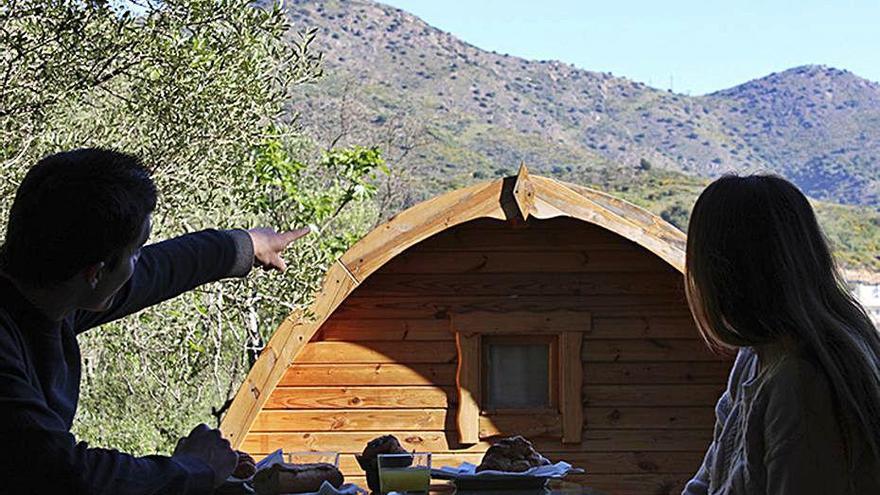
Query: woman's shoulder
x,y
797,382
796,369
790,379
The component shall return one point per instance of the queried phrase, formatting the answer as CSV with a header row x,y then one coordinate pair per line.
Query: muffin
x,y
512,454
369,459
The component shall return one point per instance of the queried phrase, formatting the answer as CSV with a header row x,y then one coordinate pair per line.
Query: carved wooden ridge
x,y
524,192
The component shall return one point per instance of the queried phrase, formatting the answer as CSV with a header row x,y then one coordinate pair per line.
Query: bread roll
x,y
368,460
296,478
386,444
513,454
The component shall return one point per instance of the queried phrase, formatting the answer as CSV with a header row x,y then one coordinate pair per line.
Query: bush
x,y
196,87
677,215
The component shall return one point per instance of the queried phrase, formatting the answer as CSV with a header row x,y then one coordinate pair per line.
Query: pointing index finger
x,y
292,235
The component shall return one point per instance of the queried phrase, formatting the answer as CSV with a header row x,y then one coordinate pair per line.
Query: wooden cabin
x,y
523,305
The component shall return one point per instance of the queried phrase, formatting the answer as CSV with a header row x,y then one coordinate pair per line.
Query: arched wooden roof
x,y
505,199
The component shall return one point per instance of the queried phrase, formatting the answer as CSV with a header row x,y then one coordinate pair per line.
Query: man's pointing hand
x,y
268,246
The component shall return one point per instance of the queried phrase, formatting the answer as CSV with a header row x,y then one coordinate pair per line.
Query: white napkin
x,y
558,470
346,489
270,460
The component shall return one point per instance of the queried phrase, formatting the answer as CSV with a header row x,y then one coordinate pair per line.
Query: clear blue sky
x,y
703,45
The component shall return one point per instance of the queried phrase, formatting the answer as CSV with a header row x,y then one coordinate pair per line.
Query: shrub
x,y
196,87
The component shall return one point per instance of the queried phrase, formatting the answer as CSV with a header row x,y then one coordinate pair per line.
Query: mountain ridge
x,y
489,111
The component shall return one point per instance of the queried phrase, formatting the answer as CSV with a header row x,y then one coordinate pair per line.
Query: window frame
x,y
568,329
552,373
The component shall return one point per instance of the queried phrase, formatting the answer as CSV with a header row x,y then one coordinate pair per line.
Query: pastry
x,y
368,460
512,454
296,478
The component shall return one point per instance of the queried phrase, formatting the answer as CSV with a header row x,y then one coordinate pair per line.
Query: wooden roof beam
x,y
524,191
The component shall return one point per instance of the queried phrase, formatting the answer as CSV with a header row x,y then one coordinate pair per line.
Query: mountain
x,y
447,114
486,111
819,125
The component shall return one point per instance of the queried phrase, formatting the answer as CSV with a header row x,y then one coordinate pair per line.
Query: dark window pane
x,y
517,376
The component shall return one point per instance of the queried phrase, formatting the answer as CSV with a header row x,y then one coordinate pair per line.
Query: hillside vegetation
x,y
206,120
853,231
449,114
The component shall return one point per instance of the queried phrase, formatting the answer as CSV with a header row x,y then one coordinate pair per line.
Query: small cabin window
x,y
520,362
518,373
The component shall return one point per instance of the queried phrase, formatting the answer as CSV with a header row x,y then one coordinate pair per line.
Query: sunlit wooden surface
x,y
637,409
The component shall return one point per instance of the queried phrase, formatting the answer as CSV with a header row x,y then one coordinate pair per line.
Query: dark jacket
x,y
40,377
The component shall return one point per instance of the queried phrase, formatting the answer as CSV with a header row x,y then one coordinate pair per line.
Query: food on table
x,y
296,478
246,466
386,444
512,454
368,460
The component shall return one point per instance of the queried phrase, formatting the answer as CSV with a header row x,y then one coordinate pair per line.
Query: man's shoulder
x,y
8,325
11,339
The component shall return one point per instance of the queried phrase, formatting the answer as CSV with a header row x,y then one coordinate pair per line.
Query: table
x,y
555,488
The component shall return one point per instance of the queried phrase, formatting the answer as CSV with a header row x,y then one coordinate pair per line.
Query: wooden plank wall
x,y
385,362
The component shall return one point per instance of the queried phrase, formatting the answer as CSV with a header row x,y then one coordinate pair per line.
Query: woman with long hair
x,y
801,413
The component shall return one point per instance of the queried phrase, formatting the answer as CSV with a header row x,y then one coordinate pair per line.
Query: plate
x,y
494,482
500,483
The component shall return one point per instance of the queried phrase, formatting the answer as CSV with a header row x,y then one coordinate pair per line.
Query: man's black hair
x,y
74,209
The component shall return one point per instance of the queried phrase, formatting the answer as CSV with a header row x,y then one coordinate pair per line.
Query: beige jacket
x,y
776,434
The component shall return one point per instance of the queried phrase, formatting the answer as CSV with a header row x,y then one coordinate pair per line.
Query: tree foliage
x,y
197,88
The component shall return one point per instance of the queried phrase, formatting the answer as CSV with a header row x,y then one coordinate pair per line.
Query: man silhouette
x,y
74,258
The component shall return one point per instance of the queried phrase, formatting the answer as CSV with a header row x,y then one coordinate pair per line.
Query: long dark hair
x,y
759,270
